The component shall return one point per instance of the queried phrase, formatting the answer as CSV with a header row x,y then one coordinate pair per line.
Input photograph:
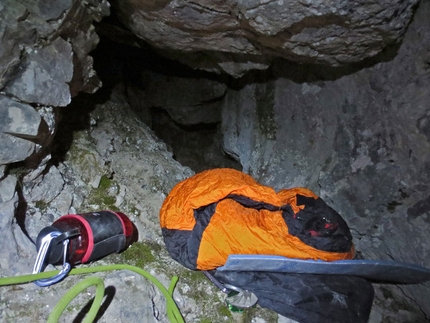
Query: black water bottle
x,y
90,236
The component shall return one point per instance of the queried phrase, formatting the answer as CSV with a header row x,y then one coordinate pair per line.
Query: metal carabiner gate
x,y
41,256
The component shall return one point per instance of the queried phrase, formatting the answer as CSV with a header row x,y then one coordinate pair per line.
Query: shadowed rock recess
x,y
109,104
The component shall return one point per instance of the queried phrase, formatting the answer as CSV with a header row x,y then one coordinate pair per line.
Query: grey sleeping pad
x,y
374,270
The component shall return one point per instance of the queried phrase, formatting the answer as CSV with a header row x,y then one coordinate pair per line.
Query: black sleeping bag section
x,y
306,297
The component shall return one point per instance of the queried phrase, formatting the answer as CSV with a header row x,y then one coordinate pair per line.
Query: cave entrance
x,y
181,105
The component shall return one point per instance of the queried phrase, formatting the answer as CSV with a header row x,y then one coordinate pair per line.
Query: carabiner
x,y
236,296
41,256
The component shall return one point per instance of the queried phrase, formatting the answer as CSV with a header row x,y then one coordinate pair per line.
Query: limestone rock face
x,y
231,36
44,61
37,80
44,54
16,118
8,200
361,141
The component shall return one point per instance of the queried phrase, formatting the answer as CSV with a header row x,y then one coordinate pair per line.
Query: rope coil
x,y
173,312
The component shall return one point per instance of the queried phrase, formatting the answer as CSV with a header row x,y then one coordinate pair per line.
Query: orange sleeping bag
x,y
219,212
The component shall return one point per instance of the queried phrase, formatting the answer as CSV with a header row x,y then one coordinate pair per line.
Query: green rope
x,y
173,312
75,291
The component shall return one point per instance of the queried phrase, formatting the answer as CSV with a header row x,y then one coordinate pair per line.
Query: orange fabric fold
x,y
233,228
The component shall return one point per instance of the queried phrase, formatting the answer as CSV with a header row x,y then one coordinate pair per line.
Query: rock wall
x,y
44,62
234,37
361,141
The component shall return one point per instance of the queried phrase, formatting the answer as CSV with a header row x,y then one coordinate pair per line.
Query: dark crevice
x,y
74,117
197,146
20,211
119,49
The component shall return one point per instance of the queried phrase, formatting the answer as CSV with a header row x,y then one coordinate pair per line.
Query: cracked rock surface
x,y
231,36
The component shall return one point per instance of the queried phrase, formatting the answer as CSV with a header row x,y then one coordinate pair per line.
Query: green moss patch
x,y
105,194
140,254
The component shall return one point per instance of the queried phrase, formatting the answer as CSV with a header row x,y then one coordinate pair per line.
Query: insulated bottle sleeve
x,y
105,231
